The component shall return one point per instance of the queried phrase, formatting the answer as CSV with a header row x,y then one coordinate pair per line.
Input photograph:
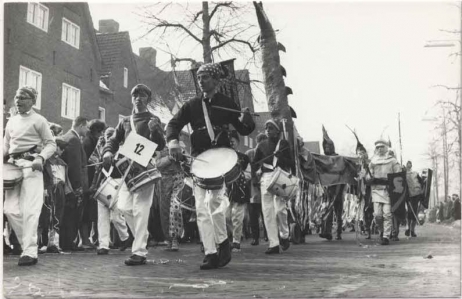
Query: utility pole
x,y
459,115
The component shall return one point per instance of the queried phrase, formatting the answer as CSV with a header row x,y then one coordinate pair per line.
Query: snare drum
x,y
138,176
12,176
107,192
283,184
214,167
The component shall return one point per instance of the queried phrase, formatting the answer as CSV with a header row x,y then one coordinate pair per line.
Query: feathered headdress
x,y
359,145
327,141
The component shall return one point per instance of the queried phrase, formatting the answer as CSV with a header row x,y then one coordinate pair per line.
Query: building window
x,y
28,77
70,105
102,114
246,140
250,142
70,33
37,15
125,77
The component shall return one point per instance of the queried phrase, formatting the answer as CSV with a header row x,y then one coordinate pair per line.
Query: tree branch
x,y
237,41
223,4
166,25
447,87
197,16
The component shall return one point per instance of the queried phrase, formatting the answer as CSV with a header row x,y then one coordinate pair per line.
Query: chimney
x,y
149,54
108,26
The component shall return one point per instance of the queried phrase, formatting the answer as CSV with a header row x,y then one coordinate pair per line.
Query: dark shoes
x,y
413,234
52,249
135,260
102,251
326,236
394,238
385,241
236,247
285,244
210,262
125,244
272,250
27,261
255,242
338,237
224,253
406,232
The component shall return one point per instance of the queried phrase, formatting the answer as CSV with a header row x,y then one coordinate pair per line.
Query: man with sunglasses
x,y
25,131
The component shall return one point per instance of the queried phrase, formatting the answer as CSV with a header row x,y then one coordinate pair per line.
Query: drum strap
x,y
275,159
208,123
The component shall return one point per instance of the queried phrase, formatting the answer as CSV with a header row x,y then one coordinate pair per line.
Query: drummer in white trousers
x,y
210,126
271,153
23,204
135,206
106,215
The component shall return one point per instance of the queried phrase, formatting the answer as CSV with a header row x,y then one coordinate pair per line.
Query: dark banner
x,y
334,170
428,188
397,190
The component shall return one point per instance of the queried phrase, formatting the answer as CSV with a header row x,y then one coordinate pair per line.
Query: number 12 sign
x,y
138,148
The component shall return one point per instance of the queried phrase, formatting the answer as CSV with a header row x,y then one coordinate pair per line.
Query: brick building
x,y
52,47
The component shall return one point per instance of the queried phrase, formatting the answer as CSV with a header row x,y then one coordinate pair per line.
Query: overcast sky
x,y
354,63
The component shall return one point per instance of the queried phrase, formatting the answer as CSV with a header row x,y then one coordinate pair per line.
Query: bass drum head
x,y
11,172
213,163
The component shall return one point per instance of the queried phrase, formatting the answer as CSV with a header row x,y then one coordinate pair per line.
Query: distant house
x,y
119,73
52,47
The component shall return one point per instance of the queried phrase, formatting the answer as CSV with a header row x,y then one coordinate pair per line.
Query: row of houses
x,y
80,70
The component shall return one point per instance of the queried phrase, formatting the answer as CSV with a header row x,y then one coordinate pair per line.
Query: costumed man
x,y
255,196
333,196
28,142
136,205
210,129
382,163
238,194
415,186
106,215
271,153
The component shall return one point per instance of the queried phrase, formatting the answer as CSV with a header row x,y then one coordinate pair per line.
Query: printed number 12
x,y
139,148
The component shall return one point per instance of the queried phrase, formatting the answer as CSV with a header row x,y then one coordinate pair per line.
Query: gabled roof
x,y
110,45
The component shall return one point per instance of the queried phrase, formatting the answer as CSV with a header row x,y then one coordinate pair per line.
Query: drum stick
x,y
99,163
261,160
194,158
234,110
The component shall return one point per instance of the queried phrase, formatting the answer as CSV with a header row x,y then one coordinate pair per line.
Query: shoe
x,y
26,260
7,250
53,249
169,246
395,238
236,247
326,236
224,253
210,262
338,237
413,234
102,251
406,233
255,242
272,250
265,239
42,250
175,244
385,241
125,244
135,260
285,244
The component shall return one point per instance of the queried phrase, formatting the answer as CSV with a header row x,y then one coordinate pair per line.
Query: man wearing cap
x,y
382,163
25,131
135,206
271,153
210,126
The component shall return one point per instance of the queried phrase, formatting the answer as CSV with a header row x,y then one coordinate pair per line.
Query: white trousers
x,y
236,213
211,208
23,206
136,207
105,217
274,212
382,214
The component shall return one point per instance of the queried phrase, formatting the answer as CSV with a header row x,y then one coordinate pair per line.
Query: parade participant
x,y
238,194
364,191
273,152
76,160
255,209
172,183
208,131
333,196
415,187
106,215
135,206
24,132
382,163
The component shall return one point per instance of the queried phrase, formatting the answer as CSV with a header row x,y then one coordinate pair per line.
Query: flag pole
x,y
400,143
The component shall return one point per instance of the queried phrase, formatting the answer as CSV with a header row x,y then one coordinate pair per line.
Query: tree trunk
x,y
207,49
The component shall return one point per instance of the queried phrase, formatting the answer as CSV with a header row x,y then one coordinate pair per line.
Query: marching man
x,y
135,206
24,132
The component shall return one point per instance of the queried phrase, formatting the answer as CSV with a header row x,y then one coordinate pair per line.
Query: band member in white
x,y
23,204
135,206
209,130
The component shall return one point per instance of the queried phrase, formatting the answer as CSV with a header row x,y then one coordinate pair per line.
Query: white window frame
x,y
103,113
125,77
37,15
28,77
67,34
250,142
246,140
70,107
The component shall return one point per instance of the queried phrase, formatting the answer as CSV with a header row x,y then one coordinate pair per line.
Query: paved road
x,y
319,268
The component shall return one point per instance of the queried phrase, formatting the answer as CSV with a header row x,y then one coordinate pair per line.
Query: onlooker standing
x,y
76,160
456,213
415,186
